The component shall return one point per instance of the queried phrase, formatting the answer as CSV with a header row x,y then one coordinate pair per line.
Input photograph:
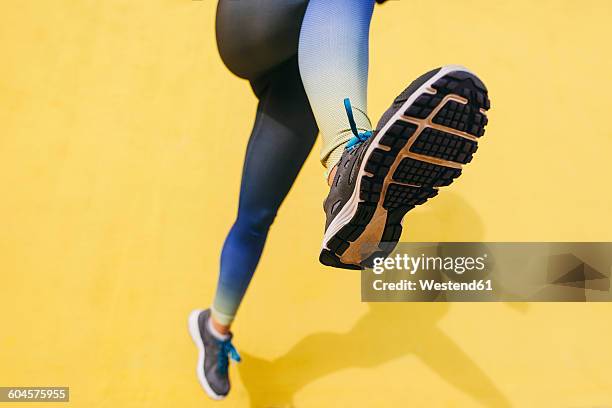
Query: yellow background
x,y
121,142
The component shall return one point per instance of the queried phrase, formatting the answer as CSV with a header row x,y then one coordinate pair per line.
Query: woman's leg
x,y
386,172
282,137
257,40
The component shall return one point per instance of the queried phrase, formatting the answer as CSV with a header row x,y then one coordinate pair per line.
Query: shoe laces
x,y
358,138
226,351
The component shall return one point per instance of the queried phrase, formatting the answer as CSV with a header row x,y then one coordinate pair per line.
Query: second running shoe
x,y
213,356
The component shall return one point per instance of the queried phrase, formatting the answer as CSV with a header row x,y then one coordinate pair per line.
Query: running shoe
x,y
213,357
420,144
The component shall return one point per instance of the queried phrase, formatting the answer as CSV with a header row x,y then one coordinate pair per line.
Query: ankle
x,y
331,163
218,330
332,174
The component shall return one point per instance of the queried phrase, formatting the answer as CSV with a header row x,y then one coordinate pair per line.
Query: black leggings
x,y
257,40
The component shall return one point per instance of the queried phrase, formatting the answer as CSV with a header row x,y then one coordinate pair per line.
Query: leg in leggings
x,y
282,137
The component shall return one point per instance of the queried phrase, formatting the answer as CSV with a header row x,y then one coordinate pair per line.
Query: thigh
x,y
253,36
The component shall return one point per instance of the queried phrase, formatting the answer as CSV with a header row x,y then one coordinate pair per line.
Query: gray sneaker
x,y
420,144
213,357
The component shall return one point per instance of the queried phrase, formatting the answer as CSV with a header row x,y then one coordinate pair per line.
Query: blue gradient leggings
x,y
258,41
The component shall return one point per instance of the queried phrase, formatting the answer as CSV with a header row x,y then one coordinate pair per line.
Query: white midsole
x,y
194,330
350,208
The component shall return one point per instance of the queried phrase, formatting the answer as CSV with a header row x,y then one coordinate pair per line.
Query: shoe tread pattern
x,y
415,181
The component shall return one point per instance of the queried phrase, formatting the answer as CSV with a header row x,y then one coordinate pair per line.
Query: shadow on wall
x,y
275,383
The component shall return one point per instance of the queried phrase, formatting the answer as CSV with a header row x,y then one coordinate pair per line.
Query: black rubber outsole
x,y
424,177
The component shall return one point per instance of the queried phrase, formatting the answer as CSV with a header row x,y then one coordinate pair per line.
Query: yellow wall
x,y
121,141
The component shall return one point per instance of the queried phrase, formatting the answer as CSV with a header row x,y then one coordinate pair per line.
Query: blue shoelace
x,y
358,138
226,348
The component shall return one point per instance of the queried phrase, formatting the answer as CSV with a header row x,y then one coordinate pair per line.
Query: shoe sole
x,y
421,147
194,331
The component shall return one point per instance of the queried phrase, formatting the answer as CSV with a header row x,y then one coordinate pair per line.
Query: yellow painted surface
x,y
121,141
